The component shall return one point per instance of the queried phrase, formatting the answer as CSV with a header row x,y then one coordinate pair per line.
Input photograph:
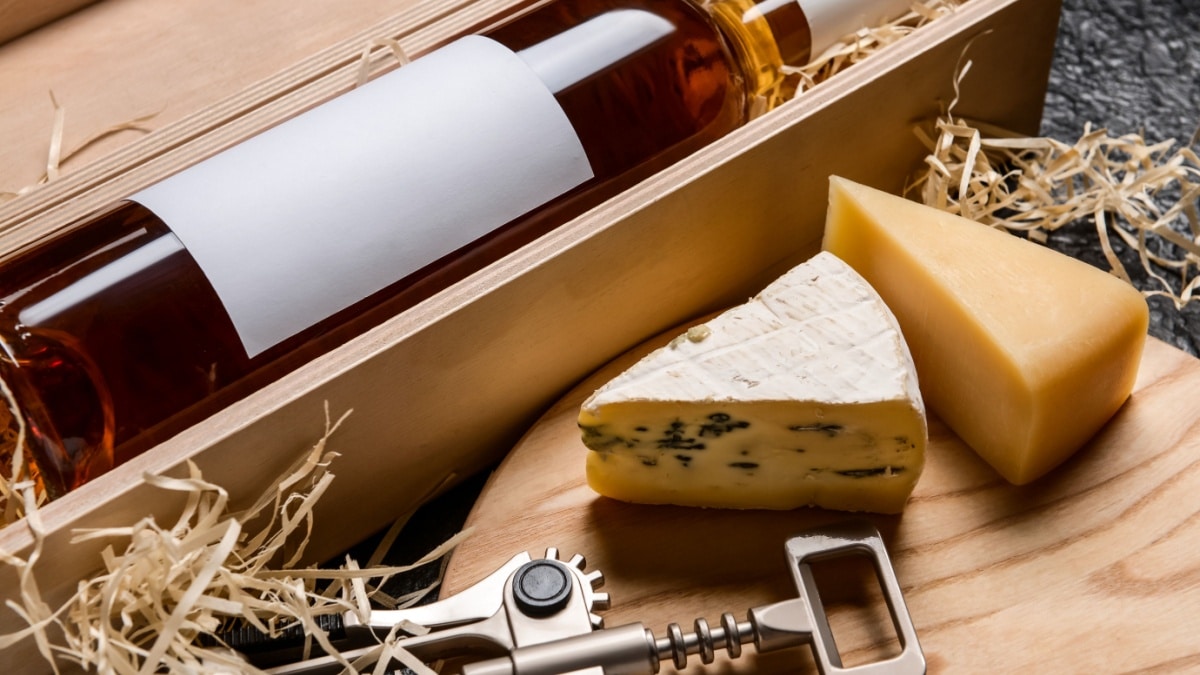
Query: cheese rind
x,y
806,395
1024,352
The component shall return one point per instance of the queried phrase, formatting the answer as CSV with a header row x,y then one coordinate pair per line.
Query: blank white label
x,y
331,206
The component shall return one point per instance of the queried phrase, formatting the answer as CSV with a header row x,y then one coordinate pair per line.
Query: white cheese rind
x,y
805,395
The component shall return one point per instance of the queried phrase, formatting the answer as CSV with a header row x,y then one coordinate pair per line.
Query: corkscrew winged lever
x,y
537,617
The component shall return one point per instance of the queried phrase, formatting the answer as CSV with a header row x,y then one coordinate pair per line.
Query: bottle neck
x,y
770,34
765,35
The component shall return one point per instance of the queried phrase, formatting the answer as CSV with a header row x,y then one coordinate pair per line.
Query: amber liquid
x,y
115,340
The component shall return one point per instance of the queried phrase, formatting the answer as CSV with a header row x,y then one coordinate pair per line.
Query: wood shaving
x,y
164,587
55,157
18,475
365,64
1144,194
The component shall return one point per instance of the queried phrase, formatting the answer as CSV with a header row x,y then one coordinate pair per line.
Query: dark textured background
x,y
1131,66
1126,65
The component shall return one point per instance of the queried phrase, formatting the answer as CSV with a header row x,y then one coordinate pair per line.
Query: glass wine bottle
x,y
198,290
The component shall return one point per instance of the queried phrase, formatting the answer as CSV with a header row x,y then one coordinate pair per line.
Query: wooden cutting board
x,y
1094,568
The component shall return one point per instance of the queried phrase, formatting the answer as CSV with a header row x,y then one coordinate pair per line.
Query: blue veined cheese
x,y
804,396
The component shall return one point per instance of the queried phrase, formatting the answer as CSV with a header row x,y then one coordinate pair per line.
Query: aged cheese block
x,y
806,395
1023,351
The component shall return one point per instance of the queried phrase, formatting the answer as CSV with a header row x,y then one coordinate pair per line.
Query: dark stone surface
x,y
1131,66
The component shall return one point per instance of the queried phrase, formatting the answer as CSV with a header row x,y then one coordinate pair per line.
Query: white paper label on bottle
x,y
311,216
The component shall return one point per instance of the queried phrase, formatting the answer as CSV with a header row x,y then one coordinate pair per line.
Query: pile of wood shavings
x,y
1144,194
168,586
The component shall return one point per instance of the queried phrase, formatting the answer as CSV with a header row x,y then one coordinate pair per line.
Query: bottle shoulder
x,y
83,246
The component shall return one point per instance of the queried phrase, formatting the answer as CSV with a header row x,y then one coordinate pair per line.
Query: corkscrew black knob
x,y
542,587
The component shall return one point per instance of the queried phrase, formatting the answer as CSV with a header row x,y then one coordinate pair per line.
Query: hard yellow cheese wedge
x,y
1024,352
806,395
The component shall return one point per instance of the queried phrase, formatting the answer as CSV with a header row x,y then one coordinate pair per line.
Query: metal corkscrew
x,y
538,617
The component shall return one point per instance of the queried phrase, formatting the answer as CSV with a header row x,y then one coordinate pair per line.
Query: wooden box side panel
x,y
448,386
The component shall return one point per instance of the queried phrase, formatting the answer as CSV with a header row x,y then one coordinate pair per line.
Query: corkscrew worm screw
x,y
538,617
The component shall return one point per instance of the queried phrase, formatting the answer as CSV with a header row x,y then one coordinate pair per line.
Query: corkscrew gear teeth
x,y
591,583
537,616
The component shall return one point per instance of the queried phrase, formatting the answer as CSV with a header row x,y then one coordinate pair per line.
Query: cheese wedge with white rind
x,y
804,396
1023,351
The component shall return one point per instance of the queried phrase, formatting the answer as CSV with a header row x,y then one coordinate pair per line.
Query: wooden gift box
x,y
446,388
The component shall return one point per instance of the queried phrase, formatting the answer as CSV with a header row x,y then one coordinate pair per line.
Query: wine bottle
x,y
205,286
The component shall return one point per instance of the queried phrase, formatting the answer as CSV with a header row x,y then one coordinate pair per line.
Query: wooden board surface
x,y
1093,568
